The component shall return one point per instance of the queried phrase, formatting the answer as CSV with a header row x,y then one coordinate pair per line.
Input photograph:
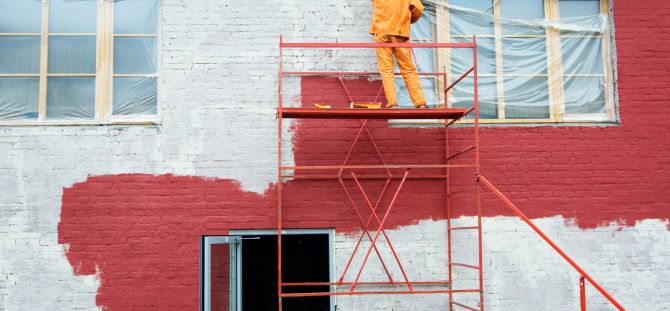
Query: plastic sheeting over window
x,y
89,73
19,59
534,62
71,98
19,98
134,95
71,60
72,16
22,16
135,57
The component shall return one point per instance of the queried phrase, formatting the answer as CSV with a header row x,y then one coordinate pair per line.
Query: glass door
x,y
219,273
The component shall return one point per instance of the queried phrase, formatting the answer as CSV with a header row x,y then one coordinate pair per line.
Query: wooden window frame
x,y
104,76
554,70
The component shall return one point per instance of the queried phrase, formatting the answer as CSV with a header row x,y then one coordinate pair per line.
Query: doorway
x,y
252,269
305,258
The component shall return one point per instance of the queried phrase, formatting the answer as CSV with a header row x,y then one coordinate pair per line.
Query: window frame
x,y
104,75
554,73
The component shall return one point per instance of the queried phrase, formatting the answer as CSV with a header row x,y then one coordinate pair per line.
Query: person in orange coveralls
x,y
390,24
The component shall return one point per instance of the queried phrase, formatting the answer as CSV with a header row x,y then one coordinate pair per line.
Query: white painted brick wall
x,y
521,272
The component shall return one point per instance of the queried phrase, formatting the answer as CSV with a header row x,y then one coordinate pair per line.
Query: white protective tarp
x,y
135,55
525,58
19,55
72,53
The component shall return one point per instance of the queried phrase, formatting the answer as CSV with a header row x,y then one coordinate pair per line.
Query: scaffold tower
x,y
373,228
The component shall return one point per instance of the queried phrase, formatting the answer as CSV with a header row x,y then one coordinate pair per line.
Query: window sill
x,y
502,123
148,121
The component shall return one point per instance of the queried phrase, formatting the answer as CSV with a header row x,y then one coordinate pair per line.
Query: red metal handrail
x,y
582,293
583,274
367,45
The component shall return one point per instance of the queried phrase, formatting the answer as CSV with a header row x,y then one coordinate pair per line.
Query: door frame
x,y
242,233
235,265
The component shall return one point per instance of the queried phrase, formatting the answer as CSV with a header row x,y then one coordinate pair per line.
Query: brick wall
x,y
109,217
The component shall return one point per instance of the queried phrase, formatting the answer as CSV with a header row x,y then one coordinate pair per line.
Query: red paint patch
x,y
594,175
142,232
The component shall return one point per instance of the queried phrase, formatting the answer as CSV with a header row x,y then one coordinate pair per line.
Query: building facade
x,y
104,207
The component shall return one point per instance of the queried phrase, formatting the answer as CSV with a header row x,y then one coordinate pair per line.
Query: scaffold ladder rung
x,y
456,264
464,228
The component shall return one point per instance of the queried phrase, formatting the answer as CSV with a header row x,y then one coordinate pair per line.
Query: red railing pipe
x,y
368,45
553,245
582,293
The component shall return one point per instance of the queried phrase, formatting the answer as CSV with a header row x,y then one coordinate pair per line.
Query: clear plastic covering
x,y
72,52
135,16
135,58
72,57
530,65
135,55
134,96
20,16
71,98
72,16
19,98
19,55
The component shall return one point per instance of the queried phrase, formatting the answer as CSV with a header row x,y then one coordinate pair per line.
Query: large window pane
x,y
584,95
522,9
485,6
20,15
424,60
582,55
575,8
526,97
519,14
72,16
70,98
135,55
135,16
423,29
462,96
428,86
461,59
473,21
134,95
525,55
19,54
19,98
71,54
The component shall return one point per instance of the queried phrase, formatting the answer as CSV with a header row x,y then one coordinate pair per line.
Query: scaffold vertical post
x,y
446,153
582,293
279,172
477,169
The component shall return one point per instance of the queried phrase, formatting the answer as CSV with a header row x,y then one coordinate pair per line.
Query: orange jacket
x,y
392,17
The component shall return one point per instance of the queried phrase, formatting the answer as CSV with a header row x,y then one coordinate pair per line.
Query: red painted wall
x,y
142,232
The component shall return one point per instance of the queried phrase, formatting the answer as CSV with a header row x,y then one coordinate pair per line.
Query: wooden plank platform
x,y
346,113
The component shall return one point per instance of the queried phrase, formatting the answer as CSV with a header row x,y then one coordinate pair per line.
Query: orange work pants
x,y
407,69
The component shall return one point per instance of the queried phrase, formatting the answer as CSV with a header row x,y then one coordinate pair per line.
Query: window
x,y
78,61
538,60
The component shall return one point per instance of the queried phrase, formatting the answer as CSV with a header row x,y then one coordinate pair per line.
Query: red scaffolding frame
x,y
346,171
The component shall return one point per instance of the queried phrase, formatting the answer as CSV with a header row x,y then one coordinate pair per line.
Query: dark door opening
x,y
305,258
